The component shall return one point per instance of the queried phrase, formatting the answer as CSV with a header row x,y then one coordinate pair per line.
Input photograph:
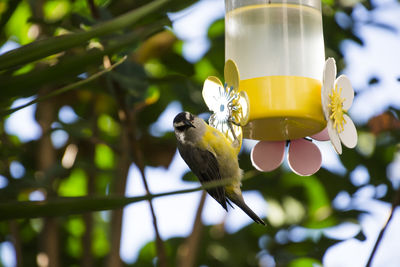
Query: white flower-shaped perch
x,y
337,97
229,106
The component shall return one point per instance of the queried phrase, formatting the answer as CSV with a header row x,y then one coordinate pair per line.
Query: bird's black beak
x,y
188,123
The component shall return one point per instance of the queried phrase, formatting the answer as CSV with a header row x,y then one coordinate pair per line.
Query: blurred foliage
x,y
64,42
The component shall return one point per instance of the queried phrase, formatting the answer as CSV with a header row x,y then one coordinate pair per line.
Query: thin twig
x,y
162,256
124,162
395,203
188,250
89,152
46,159
159,242
16,239
93,9
128,120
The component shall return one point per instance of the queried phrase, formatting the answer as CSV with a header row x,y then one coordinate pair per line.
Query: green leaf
x,y
17,25
108,125
104,157
76,226
74,185
74,246
318,202
100,244
190,177
64,89
53,45
55,10
147,253
304,262
28,84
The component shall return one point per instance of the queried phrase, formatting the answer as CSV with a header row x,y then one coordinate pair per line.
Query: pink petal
x,y
304,157
322,135
267,156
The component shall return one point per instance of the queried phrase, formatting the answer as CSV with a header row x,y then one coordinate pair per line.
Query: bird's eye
x,y
181,128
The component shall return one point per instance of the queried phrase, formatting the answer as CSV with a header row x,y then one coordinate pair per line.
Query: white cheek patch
x,y
179,124
180,136
189,116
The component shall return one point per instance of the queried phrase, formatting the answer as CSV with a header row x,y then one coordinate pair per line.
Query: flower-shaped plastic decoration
x,y
337,97
304,157
229,106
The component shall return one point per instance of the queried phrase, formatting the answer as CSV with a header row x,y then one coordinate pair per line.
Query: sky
x,y
379,56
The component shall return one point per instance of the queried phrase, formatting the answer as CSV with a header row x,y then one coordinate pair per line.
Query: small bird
x,y
211,157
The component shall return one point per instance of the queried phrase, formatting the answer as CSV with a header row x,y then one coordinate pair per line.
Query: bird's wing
x,y
205,166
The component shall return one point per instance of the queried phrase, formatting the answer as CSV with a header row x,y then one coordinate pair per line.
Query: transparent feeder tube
x,y
275,37
282,43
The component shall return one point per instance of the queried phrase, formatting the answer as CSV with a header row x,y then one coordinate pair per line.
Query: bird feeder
x,y
278,87
278,47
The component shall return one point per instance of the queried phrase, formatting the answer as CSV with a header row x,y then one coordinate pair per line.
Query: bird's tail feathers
x,y
230,204
241,204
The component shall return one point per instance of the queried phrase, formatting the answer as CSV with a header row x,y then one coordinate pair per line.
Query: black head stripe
x,y
180,117
183,121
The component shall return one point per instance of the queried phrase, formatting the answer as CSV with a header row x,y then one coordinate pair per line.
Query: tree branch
x,y
63,206
124,163
159,242
89,152
16,239
395,203
188,250
46,156
93,9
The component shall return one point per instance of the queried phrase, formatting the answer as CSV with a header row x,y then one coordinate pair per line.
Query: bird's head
x,y
184,121
188,127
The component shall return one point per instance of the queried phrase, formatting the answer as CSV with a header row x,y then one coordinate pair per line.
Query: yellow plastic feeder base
x,y
283,107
